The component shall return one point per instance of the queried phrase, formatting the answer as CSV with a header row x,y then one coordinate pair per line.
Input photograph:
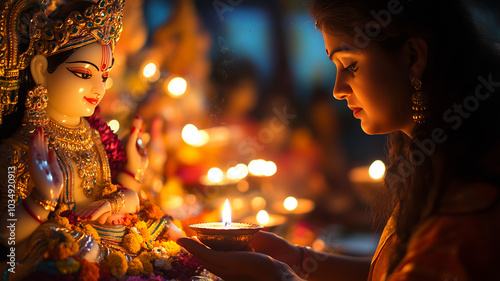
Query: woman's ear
x,y
417,52
38,68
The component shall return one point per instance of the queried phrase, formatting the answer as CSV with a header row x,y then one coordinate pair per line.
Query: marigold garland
x,y
68,266
61,246
135,267
132,242
117,263
89,271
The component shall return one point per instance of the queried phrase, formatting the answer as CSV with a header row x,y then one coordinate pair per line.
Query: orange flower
x,y
132,242
117,264
154,212
89,271
135,267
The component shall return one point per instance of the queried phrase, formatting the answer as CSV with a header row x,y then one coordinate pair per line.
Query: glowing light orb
x,y
149,70
215,175
290,203
377,170
114,125
263,217
194,137
177,87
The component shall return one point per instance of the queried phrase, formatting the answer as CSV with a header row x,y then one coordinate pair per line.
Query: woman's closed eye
x,y
80,72
352,68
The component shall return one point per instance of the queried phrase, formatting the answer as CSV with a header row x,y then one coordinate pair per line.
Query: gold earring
x,y
36,102
418,101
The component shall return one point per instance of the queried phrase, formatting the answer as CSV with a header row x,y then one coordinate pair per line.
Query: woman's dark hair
x,y
460,60
13,121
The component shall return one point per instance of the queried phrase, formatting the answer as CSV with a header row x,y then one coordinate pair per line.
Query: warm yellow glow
x,y
237,172
114,125
109,83
242,186
290,203
238,204
257,167
149,70
258,203
270,169
377,170
192,136
204,138
263,217
177,87
226,214
215,175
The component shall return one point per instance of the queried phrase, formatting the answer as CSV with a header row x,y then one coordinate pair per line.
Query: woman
x,y
421,71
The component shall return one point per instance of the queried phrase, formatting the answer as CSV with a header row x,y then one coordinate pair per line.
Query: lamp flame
x,y
226,214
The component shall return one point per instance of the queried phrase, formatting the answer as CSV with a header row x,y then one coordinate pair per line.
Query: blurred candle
x,y
263,217
215,175
376,170
290,203
177,86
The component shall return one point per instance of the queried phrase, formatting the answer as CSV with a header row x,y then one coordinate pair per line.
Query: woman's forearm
x,y
321,267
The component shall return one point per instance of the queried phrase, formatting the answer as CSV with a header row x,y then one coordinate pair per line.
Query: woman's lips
x,y
91,100
355,111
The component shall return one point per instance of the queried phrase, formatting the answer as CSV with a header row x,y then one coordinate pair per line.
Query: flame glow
x,y
239,171
149,70
215,175
114,125
194,137
290,203
263,217
377,170
177,87
226,214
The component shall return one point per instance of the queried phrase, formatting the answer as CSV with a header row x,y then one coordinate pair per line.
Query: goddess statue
x,y
64,174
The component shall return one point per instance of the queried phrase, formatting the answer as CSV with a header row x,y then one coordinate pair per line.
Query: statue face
x,y
77,86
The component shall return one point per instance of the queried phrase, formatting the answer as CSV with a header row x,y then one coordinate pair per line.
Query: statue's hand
x,y
96,211
116,218
137,156
43,167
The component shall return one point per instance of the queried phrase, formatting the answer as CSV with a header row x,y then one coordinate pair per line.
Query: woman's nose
x,y
341,89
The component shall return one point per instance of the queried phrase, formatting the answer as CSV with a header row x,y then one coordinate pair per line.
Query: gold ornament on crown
x,y
23,20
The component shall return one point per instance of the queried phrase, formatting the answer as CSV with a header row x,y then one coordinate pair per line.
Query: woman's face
x,y
375,84
77,86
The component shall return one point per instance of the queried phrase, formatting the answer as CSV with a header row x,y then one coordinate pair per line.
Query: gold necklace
x,y
78,144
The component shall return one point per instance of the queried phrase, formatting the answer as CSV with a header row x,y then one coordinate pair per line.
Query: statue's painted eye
x,y
80,72
105,76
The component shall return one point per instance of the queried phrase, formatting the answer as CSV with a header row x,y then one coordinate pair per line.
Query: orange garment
x,y
460,243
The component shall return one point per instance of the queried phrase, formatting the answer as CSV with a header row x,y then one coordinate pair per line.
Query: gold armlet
x,y
117,201
47,204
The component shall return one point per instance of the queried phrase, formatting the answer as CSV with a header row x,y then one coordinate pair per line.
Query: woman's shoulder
x,y
460,242
462,198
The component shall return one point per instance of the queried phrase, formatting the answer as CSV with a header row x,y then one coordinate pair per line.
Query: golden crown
x,y
30,20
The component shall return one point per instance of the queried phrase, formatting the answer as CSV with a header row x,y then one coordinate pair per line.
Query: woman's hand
x,y
272,245
239,265
96,211
43,167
